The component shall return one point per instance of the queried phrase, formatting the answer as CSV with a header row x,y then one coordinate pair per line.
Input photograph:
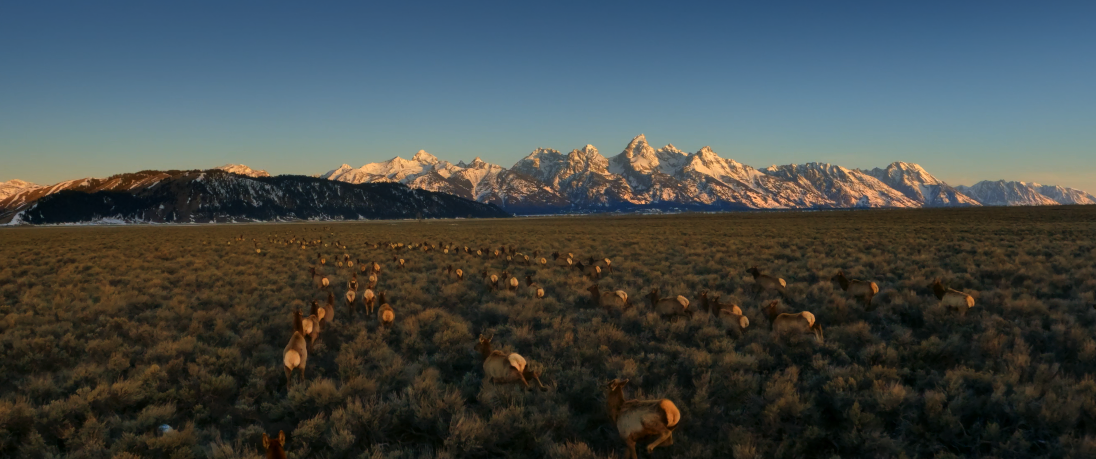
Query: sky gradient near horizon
x,y
970,90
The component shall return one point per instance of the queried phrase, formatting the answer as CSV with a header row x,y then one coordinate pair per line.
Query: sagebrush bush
x,y
109,333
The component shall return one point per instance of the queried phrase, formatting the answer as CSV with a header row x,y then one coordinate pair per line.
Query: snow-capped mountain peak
x,y
243,170
15,186
425,158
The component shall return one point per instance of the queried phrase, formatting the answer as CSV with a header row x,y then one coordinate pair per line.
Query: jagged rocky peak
x,y
637,157
899,171
243,170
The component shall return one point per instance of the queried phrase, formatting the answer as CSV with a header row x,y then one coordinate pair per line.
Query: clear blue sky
x,y
970,90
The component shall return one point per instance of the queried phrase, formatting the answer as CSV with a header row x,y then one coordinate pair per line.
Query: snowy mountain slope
x,y
1004,193
1064,195
917,184
243,170
15,186
842,187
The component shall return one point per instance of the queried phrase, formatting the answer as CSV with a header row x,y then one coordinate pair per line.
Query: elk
x,y
764,282
542,261
669,307
387,315
328,316
609,300
536,291
605,264
401,262
735,322
862,290
638,419
376,268
296,352
274,446
368,298
951,298
801,323
371,281
491,279
513,283
353,284
350,297
502,368
312,324
772,310
323,281
592,271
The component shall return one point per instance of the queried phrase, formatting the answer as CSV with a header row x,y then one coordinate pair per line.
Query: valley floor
x,y
109,333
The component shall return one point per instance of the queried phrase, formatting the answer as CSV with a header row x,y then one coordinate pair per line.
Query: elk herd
x,y
634,420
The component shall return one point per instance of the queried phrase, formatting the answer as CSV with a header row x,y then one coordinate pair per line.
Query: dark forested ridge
x,y
218,196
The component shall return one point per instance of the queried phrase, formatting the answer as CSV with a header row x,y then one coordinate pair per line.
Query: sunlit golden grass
x,y
107,333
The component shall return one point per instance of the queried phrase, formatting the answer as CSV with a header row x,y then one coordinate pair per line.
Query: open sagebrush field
x,y
108,333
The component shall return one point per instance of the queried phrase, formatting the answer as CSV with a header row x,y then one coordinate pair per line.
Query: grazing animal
x,y
368,298
609,300
502,368
797,324
862,290
728,306
386,314
735,322
274,446
491,279
713,306
328,316
371,282
513,283
638,419
543,261
295,355
669,307
376,267
764,282
951,298
460,274
401,263
353,284
605,265
322,282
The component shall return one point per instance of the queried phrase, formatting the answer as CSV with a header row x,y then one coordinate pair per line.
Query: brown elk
x,y
369,298
862,290
312,323
764,282
591,271
713,306
513,283
296,352
772,310
350,297
609,300
353,284
491,279
669,307
502,368
605,264
735,322
274,446
328,316
801,323
386,314
371,281
639,419
951,298
322,282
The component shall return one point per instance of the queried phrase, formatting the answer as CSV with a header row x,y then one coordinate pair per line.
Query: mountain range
x,y
546,181
642,177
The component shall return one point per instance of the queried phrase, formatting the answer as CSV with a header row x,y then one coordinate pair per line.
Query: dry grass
x,y
107,333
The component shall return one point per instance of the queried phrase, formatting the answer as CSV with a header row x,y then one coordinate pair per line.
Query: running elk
x,y
669,307
502,368
296,352
609,300
639,419
796,324
951,298
369,298
386,314
763,282
861,290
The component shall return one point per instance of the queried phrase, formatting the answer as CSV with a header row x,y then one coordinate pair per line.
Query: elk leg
x,y
666,435
288,378
631,448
